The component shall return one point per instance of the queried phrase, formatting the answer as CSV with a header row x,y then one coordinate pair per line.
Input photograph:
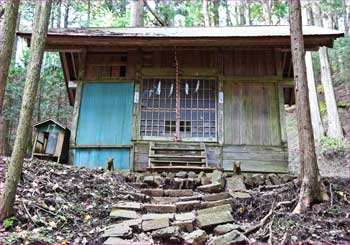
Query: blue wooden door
x,y
105,119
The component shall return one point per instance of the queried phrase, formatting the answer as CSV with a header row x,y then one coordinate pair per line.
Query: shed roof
x,y
50,120
314,37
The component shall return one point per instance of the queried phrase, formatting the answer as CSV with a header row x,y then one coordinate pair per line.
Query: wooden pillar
x,y
284,140
78,95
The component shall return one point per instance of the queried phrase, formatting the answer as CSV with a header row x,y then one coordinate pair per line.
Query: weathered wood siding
x,y
256,158
251,114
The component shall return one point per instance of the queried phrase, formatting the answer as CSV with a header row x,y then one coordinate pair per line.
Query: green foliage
x,y
280,9
323,108
256,11
343,104
331,144
8,223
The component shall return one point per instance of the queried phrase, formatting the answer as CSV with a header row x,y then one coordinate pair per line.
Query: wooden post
x,y
282,115
78,94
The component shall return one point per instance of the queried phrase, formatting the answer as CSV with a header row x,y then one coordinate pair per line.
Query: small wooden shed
x,y
51,141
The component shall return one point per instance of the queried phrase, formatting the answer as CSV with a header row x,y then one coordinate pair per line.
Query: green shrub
x,y
323,108
8,223
331,145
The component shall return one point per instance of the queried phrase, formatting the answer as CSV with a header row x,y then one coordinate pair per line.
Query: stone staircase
x,y
175,216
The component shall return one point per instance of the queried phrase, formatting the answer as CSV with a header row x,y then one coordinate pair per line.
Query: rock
x,y
216,203
160,208
187,206
166,233
248,181
158,180
184,225
258,179
118,230
285,178
223,229
178,193
212,219
268,182
218,177
153,192
222,208
138,185
178,183
128,205
185,216
149,180
171,175
131,177
235,183
150,225
205,180
157,216
211,188
116,240
274,179
240,195
216,197
181,174
163,174
196,237
192,175
233,237
121,213
133,223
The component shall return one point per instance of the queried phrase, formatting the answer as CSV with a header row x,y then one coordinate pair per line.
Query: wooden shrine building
x,y
218,92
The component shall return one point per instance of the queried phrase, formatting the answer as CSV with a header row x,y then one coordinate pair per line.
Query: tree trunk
x,y
206,13
66,14
89,12
42,15
242,20
316,120
136,13
250,22
310,188
228,15
59,6
7,40
268,10
345,19
215,10
334,126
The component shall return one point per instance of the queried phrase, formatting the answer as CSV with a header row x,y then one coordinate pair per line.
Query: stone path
x,y
200,214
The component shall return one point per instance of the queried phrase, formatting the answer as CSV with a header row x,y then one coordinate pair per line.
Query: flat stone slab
x,y
190,198
127,223
235,183
150,216
222,208
212,219
185,216
160,208
185,225
122,213
150,225
196,237
128,205
116,240
153,192
210,188
216,203
118,231
187,206
165,200
223,229
216,197
233,237
178,193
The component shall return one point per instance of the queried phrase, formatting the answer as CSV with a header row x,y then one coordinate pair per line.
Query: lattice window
x,y
197,108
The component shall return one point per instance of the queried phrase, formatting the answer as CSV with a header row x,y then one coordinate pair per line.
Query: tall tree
x,y
316,120
310,191
136,13
206,13
334,125
39,34
6,48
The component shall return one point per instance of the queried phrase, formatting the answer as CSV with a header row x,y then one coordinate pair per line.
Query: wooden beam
x,y
282,116
67,77
278,63
82,65
101,146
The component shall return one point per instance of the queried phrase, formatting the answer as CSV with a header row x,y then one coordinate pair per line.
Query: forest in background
x,y
52,99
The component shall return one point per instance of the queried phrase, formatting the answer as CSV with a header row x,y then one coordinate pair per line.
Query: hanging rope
x,y
177,116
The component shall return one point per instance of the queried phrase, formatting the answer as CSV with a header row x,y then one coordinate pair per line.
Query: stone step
x,y
206,220
187,206
216,197
123,214
160,208
129,205
154,224
210,188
